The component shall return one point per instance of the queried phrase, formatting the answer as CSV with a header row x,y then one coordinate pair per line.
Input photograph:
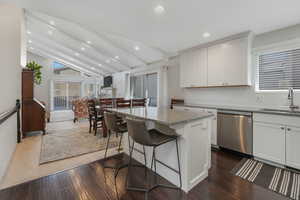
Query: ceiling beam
x,y
106,54
68,59
40,52
57,46
106,66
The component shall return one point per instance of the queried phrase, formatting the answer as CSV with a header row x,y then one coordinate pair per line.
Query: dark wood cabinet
x,y
33,111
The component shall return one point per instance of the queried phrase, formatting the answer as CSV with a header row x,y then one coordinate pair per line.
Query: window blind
x,y
279,71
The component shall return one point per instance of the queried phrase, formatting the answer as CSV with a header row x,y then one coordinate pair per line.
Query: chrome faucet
x,y
291,98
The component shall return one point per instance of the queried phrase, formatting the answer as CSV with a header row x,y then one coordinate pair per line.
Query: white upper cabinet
x,y
193,68
220,64
228,63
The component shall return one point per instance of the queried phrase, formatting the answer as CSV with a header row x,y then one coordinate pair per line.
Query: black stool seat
x,y
122,128
158,138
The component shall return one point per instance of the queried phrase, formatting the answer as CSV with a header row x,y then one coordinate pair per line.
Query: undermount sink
x,y
281,110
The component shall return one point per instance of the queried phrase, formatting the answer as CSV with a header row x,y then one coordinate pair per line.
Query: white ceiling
x,y
106,54
116,26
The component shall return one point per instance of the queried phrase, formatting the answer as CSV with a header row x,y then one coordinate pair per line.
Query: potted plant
x,y
36,68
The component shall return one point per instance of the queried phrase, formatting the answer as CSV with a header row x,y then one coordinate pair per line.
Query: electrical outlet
x,y
259,99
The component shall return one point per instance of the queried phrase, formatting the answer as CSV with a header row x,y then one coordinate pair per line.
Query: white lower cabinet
x,y
213,127
269,142
213,122
293,147
276,138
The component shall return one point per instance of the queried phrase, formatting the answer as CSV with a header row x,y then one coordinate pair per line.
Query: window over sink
x,y
278,70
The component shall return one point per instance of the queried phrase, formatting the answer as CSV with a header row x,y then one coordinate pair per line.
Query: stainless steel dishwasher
x,y
235,131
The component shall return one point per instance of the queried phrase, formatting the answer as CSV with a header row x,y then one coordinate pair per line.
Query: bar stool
x,y
152,138
114,125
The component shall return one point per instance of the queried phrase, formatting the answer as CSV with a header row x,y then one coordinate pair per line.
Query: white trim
x,y
279,46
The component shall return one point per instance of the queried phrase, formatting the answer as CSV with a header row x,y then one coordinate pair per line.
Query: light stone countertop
x,y
270,110
162,115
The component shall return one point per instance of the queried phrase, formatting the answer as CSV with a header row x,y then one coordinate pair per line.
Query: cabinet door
x,y
269,142
293,147
228,63
193,68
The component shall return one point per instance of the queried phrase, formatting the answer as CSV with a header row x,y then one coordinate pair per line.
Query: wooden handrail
x,y
6,115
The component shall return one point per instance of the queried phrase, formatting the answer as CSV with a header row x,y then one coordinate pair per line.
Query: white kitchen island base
x,y
194,153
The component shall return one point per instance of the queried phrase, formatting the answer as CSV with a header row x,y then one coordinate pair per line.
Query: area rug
x,y
62,144
282,181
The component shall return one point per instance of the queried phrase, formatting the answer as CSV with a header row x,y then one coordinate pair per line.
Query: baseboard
x,y
197,180
8,164
269,162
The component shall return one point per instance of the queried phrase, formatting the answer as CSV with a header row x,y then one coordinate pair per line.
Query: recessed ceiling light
x,y
137,48
206,35
29,41
89,42
50,32
82,48
28,32
159,9
52,22
77,54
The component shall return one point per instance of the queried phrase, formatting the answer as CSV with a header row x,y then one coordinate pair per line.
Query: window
x,y
90,90
64,94
145,86
60,69
279,70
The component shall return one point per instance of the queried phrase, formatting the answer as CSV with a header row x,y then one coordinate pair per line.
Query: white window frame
x,y
273,48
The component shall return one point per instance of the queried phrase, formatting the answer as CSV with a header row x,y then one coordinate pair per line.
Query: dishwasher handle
x,y
234,112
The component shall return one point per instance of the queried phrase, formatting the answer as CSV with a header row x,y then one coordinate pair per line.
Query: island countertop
x,y
161,115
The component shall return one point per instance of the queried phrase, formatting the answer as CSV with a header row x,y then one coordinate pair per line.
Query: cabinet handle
x,y
195,125
289,129
282,127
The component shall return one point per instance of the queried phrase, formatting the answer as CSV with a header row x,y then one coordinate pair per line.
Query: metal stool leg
x,y
154,160
154,157
107,144
179,168
120,142
129,164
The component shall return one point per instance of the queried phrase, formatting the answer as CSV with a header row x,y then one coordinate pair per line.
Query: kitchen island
x,y
193,129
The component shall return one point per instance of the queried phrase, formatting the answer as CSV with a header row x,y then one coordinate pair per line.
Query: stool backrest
x,y
139,102
138,131
111,121
122,103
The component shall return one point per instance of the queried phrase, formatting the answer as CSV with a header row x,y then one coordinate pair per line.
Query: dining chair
x,y
139,102
95,117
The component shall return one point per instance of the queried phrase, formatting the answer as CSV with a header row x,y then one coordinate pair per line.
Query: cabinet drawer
x,y
276,119
192,109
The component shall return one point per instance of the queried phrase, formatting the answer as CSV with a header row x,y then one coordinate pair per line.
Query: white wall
x,y
247,96
11,41
42,91
174,89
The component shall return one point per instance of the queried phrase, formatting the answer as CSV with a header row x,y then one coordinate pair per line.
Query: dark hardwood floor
x,y
91,181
